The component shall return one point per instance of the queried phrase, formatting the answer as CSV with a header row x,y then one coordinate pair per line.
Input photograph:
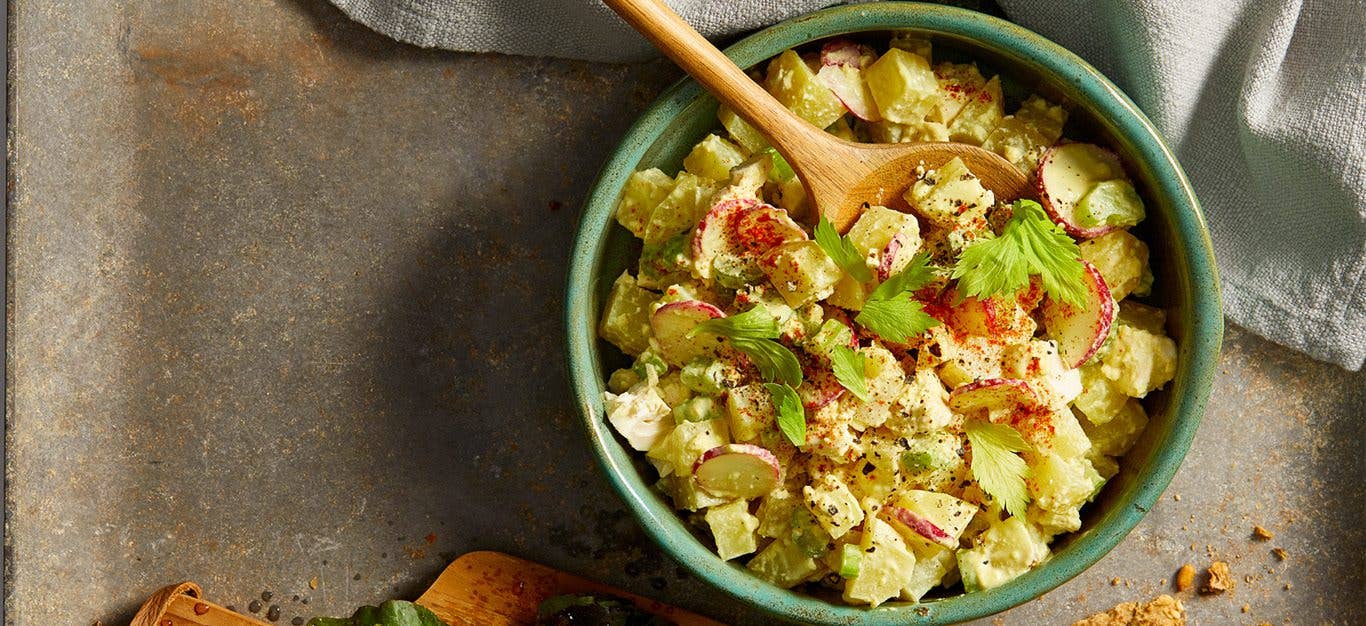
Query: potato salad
x,y
926,400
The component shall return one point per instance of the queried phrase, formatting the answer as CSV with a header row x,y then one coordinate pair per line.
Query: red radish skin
x,y
993,393
1080,331
737,470
741,230
671,324
846,82
1059,196
841,52
921,526
887,261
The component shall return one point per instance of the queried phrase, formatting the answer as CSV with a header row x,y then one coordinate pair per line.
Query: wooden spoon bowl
x,y
840,176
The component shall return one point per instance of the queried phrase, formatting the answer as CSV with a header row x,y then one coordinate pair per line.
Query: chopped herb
x,y
842,251
891,312
791,415
756,323
775,362
848,366
996,466
1030,244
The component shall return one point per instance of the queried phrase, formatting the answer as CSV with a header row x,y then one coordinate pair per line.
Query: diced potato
x,y
959,84
1068,438
750,410
681,209
685,493
1062,484
644,191
1115,437
801,272
886,566
733,528
713,157
923,406
951,195
1138,361
791,195
913,43
1045,118
1005,551
1122,260
1037,361
933,563
979,116
903,86
740,131
1099,400
873,230
920,132
886,383
842,130
795,85
677,451
833,505
626,316
1149,318
775,513
783,563
848,294
1023,137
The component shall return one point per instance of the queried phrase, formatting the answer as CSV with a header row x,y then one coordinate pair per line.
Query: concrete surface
x,y
285,308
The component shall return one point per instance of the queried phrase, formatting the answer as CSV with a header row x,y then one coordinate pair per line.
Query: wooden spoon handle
x,y
793,136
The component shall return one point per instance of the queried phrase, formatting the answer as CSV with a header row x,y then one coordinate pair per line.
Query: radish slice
x,y
922,526
671,324
1080,331
896,256
942,511
847,83
1066,173
734,234
845,52
737,470
992,393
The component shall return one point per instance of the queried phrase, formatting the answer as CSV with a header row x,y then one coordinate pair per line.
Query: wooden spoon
x,y
477,589
839,175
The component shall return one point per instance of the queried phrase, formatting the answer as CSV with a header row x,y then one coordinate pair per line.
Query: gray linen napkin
x,y
1263,101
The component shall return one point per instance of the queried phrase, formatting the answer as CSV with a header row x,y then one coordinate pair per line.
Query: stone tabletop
x,y
285,320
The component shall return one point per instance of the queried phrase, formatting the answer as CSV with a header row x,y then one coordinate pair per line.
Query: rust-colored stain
x,y
207,85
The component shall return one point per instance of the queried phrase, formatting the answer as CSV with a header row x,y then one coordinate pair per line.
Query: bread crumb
x,y
1261,534
1219,579
1114,582
1246,608
313,583
1163,610
1185,577
1280,553
1288,586
1177,497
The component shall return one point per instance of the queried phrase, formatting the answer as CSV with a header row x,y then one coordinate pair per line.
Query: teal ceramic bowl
x,y
1175,230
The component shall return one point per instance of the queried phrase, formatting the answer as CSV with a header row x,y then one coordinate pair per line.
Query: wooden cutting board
x,y
479,588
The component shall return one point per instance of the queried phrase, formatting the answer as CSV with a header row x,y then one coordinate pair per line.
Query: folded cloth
x,y
1264,102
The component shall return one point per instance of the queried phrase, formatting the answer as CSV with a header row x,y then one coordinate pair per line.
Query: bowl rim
x,y
1199,351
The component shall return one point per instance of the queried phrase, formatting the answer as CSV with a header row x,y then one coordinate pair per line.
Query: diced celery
x,y
705,376
832,334
665,263
850,558
697,409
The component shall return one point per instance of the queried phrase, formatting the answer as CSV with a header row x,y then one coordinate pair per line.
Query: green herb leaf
x,y
842,251
917,274
791,415
1029,244
848,366
756,323
890,312
774,360
996,466
895,320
